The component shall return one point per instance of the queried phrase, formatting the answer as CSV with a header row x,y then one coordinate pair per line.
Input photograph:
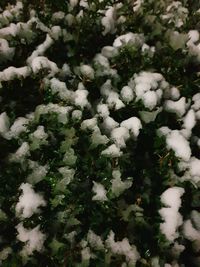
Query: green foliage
x,y
71,211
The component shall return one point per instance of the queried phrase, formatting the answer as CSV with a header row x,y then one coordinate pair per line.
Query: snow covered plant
x,y
99,133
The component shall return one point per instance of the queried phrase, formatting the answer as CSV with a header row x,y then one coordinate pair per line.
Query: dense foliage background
x,y
99,133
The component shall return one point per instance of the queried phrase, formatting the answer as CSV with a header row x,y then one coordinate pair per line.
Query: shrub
x,y
99,133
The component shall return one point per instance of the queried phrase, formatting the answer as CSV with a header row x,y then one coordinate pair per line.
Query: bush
x,y
99,133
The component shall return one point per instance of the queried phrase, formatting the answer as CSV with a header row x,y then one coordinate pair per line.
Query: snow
x,y
112,152
40,133
33,239
148,50
174,93
114,101
5,18
41,62
87,71
171,198
57,16
159,93
95,241
8,15
7,31
137,5
106,88
150,99
12,73
179,145
102,62
198,115
61,89
56,32
41,49
22,30
119,186
186,133
194,169
127,94
129,38
80,98
65,70
70,19
109,51
103,68
190,232
99,191
194,50
141,89
62,111
4,123
148,80
193,36
4,253
133,124
6,52
73,3
155,261
178,107
29,201
21,153
98,139
120,135
89,124
85,256
163,131
196,100
109,124
103,110
191,171
189,120
195,216
76,114
122,248
146,87
177,40
108,21
176,14
83,3
98,120
177,249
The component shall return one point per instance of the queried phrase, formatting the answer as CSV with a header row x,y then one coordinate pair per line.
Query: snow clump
x,y
171,198
32,238
29,202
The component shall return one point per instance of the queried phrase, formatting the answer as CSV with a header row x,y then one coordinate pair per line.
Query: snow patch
x,y
29,202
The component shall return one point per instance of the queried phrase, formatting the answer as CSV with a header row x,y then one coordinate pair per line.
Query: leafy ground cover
x,y
99,133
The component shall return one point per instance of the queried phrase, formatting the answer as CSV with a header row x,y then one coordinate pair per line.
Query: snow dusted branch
x,y
100,157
